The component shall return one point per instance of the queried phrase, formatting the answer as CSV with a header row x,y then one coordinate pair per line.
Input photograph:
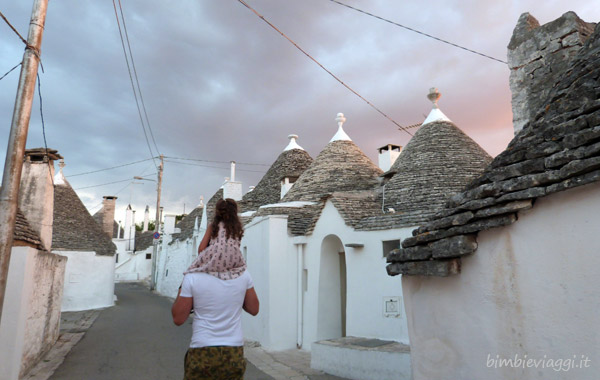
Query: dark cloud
x,y
219,84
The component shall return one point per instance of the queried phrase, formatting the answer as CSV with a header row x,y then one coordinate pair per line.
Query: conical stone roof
x,y
290,163
74,229
341,166
439,161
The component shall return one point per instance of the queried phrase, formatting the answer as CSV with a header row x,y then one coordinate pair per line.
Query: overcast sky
x,y
219,84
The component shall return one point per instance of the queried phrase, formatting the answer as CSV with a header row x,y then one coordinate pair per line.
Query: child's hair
x,y
226,211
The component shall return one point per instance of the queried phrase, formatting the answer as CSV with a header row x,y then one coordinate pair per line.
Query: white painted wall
x,y
177,258
133,266
31,310
272,265
272,261
89,281
531,288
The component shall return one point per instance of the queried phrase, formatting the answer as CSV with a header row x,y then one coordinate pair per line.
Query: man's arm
x,y
205,239
251,303
181,308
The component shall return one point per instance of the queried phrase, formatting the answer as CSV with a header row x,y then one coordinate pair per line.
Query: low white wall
x,y
530,291
89,281
31,311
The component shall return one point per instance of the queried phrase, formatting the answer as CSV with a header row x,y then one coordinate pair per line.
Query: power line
x,y
132,84
10,71
14,29
214,167
112,167
419,32
323,67
136,78
110,183
216,162
43,124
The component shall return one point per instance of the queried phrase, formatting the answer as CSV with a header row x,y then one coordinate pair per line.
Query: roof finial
x,y
201,204
434,95
340,135
436,114
293,144
59,178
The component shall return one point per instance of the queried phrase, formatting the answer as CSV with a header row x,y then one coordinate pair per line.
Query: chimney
x,y
231,188
146,218
36,192
286,184
388,155
108,214
537,59
129,230
169,227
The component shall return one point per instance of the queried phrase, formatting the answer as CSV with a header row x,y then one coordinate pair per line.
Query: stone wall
x,y
538,55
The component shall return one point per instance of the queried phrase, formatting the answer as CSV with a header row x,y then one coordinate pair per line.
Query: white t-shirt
x,y
217,308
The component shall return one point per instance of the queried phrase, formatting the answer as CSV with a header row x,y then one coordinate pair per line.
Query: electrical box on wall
x,y
392,307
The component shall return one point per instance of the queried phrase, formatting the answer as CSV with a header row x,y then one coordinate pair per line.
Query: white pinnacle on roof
x,y
293,144
340,135
59,178
436,114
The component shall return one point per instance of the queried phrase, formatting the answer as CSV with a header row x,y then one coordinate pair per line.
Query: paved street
x,y
135,339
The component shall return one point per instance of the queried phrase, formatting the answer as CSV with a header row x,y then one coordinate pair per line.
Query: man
x,y
216,349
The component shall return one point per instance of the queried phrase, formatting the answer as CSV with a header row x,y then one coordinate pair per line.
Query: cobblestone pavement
x,y
84,348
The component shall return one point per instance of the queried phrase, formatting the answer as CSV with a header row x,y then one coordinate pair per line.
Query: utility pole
x,y
13,165
156,223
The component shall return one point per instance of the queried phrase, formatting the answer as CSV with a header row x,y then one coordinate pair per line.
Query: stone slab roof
x,y
98,218
143,240
25,234
301,220
186,225
557,150
74,228
355,206
439,161
210,206
341,166
290,163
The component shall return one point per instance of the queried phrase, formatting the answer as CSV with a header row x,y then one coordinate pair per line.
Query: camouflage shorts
x,y
215,363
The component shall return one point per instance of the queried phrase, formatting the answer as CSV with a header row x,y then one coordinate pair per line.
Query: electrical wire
x,y
323,67
214,167
112,167
419,32
11,70
216,162
14,29
110,183
137,80
133,85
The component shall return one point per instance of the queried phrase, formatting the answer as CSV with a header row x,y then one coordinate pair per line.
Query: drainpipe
x,y
300,317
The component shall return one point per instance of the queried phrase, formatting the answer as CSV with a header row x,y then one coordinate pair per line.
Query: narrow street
x,y
135,339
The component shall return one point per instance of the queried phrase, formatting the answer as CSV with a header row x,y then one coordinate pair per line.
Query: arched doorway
x,y
331,321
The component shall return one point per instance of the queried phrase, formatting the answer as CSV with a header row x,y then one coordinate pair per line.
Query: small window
x,y
148,256
389,245
117,258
